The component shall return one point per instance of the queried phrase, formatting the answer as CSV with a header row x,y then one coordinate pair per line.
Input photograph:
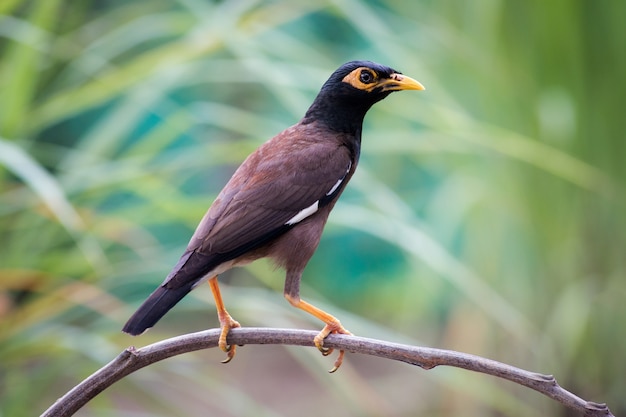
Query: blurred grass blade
x,y
46,187
428,251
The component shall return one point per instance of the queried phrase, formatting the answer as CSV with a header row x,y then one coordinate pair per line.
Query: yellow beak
x,y
398,82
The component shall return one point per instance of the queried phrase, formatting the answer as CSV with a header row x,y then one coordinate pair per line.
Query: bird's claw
x,y
230,353
338,362
227,323
330,328
325,351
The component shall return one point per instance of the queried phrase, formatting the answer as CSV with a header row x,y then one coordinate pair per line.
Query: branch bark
x,y
133,359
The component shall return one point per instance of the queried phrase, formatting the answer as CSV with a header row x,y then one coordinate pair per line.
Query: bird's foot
x,y
227,323
331,328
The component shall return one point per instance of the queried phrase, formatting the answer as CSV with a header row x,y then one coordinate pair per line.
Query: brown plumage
x,y
277,202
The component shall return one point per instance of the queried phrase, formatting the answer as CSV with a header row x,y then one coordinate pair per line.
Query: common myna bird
x,y
277,202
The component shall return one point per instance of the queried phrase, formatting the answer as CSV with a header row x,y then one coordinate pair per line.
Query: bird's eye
x,y
366,77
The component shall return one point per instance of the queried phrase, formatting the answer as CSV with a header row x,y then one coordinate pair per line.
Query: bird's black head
x,y
350,92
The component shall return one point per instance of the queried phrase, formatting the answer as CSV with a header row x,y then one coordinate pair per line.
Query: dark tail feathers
x,y
155,307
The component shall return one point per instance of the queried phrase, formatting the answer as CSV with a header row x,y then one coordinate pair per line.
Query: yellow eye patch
x,y
362,78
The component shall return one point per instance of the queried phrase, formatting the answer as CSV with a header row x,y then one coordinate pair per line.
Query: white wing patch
x,y
303,214
312,209
338,183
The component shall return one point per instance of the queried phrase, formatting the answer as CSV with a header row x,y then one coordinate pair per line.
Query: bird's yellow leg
x,y
226,321
333,325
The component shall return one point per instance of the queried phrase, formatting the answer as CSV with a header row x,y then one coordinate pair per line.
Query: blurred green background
x,y
486,216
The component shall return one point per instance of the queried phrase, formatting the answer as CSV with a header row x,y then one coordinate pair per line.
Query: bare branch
x,y
133,359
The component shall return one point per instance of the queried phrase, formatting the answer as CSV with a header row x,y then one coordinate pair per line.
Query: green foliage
x,y
487,214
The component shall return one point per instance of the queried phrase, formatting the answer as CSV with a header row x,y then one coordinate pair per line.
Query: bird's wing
x,y
269,193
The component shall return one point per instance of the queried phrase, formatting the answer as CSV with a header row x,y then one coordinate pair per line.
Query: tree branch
x,y
133,359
